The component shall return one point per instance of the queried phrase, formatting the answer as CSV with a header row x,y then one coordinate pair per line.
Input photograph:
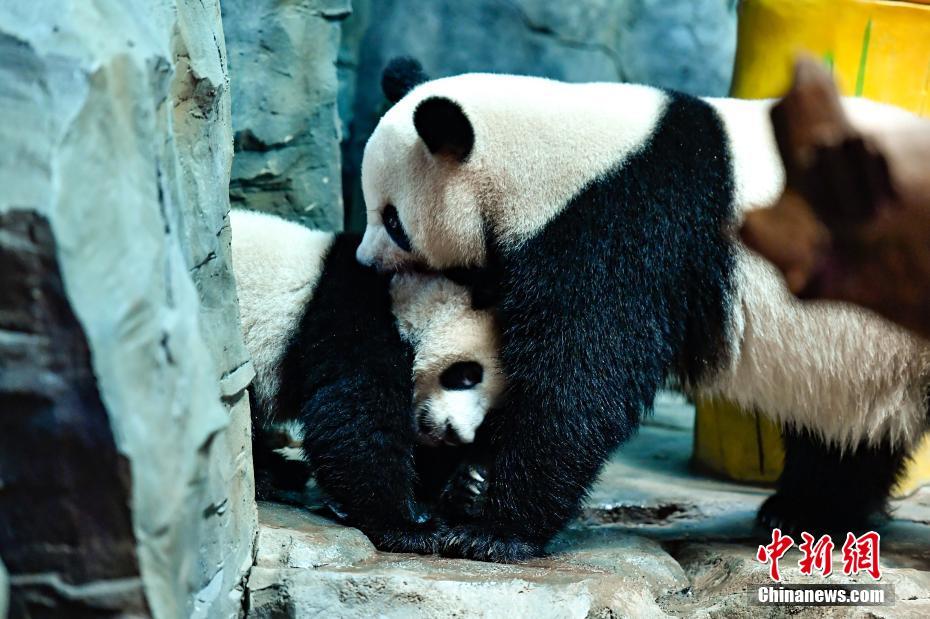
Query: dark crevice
x,y
661,514
207,259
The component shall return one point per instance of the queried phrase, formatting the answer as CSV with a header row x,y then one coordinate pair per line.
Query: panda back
x,y
277,265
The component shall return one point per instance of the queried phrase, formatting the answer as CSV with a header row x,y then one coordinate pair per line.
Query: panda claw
x,y
464,494
793,515
479,544
417,540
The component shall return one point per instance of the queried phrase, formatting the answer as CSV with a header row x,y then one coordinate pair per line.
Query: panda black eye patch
x,y
394,228
461,375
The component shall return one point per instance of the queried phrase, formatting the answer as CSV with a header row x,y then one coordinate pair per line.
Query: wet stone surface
x,y
656,539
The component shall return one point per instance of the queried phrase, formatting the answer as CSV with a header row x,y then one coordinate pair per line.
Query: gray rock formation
x,y
116,148
51,403
4,592
307,567
282,59
683,44
655,540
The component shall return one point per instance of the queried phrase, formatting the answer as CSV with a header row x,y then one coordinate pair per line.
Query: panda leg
x,y
275,474
362,456
531,477
823,490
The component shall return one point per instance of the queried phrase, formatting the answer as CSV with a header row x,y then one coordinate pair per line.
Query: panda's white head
x,y
459,160
457,378
411,167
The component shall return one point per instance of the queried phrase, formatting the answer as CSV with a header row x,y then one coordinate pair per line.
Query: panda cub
x,y
598,218
355,369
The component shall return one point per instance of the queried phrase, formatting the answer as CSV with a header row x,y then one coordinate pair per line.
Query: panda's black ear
x,y
400,76
444,128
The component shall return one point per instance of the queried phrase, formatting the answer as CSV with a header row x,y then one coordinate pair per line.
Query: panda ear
x,y
444,128
400,76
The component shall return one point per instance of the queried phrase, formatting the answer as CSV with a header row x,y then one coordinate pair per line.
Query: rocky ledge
x,y
655,540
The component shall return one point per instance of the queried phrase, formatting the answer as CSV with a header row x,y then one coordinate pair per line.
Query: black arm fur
x,y
359,434
627,285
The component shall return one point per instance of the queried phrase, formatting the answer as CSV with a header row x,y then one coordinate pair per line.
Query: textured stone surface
x,y
117,130
313,567
722,573
4,591
655,540
682,44
66,515
282,58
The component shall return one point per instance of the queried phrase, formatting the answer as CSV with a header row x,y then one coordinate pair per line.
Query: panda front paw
x,y
422,540
418,531
465,494
479,544
794,515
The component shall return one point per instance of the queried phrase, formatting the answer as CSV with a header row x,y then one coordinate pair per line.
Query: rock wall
x,y
682,44
116,155
4,592
49,395
282,62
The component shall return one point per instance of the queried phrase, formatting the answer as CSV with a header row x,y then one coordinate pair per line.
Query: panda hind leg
x,y
276,476
823,490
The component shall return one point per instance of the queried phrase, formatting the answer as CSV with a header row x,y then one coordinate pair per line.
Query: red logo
x,y
775,551
860,554
817,556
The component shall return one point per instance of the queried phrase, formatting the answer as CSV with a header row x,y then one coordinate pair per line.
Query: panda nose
x,y
451,437
448,435
363,253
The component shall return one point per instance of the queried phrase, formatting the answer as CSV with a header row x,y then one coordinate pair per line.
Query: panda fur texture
x,y
600,216
354,370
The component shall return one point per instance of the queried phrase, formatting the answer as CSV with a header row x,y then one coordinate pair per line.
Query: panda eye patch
x,y
394,228
462,375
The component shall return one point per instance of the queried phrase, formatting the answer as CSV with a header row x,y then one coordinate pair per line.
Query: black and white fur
x,y
600,214
354,369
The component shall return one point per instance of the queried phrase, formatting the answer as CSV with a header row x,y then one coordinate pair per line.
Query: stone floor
x,y
655,540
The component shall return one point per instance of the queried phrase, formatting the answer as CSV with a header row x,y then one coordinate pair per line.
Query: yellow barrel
x,y
736,444
876,49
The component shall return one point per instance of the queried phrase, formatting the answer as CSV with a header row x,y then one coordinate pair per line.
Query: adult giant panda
x,y
357,368
599,215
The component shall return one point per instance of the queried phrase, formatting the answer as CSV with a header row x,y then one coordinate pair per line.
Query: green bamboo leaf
x,y
863,58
